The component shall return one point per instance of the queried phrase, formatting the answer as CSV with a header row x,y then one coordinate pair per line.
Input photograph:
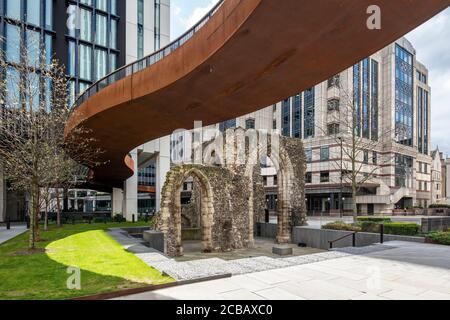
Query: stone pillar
x,y
162,167
2,196
131,191
117,202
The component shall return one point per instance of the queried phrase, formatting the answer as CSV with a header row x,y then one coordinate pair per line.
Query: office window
x,y
71,60
33,12
365,99
157,24
88,2
113,7
333,129
357,97
33,40
286,117
374,157
33,84
85,62
324,153
140,43
85,25
48,94
296,116
425,121
48,48
101,63
13,9
334,81
308,177
308,155
12,43
12,96
366,157
82,87
113,34
112,62
250,123
101,30
374,101
102,5
72,92
49,14
403,96
324,177
309,117
333,104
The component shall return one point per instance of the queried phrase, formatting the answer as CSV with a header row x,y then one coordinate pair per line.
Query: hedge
x,y
401,228
370,226
440,237
374,219
439,206
340,225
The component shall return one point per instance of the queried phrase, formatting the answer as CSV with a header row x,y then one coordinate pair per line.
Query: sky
x,y
431,40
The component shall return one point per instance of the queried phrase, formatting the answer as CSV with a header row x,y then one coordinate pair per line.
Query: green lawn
x,y
104,265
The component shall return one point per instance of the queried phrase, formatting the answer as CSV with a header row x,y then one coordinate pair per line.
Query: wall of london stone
x,y
230,194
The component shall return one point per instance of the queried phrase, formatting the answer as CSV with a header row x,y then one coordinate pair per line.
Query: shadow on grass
x,y
37,276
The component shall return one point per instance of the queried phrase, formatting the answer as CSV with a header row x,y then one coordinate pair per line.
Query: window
x,y
365,99
308,177
324,177
309,116
12,88
71,66
101,63
112,62
33,14
374,157
403,170
324,153
101,30
85,62
49,14
157,24
333,129
12,43
33,82
333,105
33,46
48,48
113,34
113,7
13,9
140,28
296,116
374,101
334,81
286,117
85,25
102,5
250,123
366,157
308,155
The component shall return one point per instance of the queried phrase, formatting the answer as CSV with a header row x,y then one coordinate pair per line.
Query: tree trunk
x,y
31,215
37,209
354,205
58,210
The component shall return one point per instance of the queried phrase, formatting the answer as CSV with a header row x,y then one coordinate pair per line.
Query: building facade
x,y
91,38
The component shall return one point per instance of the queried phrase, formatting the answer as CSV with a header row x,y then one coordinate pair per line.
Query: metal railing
x,y
353,234
146,61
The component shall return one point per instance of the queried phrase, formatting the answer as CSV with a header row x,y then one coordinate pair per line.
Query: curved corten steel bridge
x,y
244,55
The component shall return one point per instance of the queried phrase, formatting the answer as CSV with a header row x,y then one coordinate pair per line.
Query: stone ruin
x,y
229,197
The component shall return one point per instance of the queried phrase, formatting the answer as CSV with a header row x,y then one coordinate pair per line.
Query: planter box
x,y
155,240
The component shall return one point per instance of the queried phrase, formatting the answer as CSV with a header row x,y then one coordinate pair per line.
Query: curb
x,y
117,294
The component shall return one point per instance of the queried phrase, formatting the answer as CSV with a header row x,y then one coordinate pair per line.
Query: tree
x,y
35,108
356,140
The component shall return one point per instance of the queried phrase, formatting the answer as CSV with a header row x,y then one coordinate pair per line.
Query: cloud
x,y
197,14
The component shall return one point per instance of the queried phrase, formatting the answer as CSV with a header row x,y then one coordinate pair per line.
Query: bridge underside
x,y
249,55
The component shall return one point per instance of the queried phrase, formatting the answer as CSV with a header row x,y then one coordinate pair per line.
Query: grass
x,y
105,265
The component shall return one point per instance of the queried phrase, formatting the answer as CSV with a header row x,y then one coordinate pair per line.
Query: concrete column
x,y
117,201
162,167
131,191
2,196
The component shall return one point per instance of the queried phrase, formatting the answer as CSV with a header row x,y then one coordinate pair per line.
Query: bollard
x,y
354,239
8,223
381,233
133,218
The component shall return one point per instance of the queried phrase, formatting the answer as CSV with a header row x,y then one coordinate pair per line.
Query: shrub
x,y
119,218
340,225
439,206
401,228
369,226
440,237
374,219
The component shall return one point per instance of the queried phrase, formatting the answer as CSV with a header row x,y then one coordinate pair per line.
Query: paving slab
x,y
6,235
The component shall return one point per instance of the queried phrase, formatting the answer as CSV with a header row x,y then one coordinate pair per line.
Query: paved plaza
x,y
15,230
397,270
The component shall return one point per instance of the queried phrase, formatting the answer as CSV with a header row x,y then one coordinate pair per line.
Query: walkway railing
x,y
145,62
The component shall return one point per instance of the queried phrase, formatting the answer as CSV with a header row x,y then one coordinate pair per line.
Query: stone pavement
x,y
15,230
396,270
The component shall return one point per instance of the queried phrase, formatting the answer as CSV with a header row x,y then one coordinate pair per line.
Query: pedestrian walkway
x,y
396,270
6,235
